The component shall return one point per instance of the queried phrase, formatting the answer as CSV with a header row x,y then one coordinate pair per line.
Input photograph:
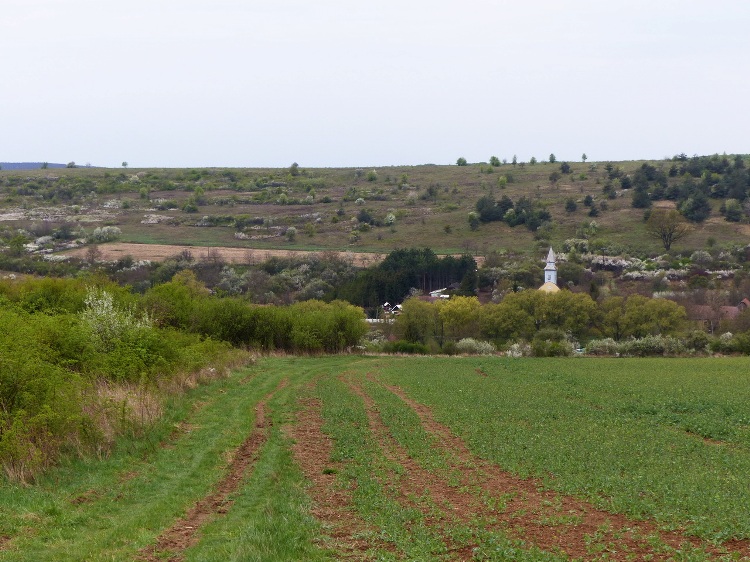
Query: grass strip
x,y
269,516
141,489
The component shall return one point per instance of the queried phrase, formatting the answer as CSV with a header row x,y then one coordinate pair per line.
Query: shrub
x,y
402,346
697,340
109,323
449,348
104,234
517,350
475,347
725,343
551,342
606,346
652,345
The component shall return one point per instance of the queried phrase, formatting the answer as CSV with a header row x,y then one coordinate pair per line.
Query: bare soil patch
x,y
183,534
87,497
555,522
159,252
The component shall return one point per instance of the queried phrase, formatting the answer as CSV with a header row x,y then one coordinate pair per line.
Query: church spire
x,y
551,258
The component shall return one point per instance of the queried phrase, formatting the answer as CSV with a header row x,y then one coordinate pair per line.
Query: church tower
x,y
550,274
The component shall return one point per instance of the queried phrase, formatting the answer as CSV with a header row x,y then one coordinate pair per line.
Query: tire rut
x,y
454,506
571,524
332,504
172,543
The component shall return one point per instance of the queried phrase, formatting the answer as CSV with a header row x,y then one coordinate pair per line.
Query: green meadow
x,y
662,441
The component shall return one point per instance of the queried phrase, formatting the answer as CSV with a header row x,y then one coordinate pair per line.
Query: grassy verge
x,y
269,518
108,510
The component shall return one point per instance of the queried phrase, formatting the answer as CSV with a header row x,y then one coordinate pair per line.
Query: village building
x,y
711,317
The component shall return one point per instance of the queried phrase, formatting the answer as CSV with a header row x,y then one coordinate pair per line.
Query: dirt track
x,y
160,252
173,541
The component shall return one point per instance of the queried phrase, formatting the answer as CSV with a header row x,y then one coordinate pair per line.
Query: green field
x,y
388,458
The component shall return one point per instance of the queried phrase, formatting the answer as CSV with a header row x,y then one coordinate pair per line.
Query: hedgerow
x,y
55,345
60,339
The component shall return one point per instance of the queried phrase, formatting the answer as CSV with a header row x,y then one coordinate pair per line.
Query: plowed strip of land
x,y
555,522
332,504
183,533
456,506
159,252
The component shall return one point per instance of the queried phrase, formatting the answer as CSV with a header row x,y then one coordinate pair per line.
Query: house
x,y
712,316
440,294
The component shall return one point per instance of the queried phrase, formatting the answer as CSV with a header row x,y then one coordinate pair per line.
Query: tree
x,y
71,165
418,322
565,168
667,225
584,157
16,245
732,210
460,316
294,169
488,210
610,317
552,159
641,199
93,254
644,316
570,205
494,161
515,160
532,160
461,161
124,164
696,208
473,220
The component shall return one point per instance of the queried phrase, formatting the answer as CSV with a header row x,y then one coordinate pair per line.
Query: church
x,y
550,274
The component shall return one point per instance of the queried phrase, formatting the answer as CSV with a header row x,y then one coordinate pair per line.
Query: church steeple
x,y
550,270
550,274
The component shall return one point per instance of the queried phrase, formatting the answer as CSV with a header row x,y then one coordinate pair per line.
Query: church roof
x,y
549,287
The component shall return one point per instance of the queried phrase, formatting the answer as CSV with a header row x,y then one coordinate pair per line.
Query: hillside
x,y
380,209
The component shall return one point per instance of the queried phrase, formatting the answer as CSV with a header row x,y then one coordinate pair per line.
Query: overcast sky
x,y
193,83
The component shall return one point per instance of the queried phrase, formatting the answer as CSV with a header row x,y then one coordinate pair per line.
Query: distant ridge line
x,y
29,165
